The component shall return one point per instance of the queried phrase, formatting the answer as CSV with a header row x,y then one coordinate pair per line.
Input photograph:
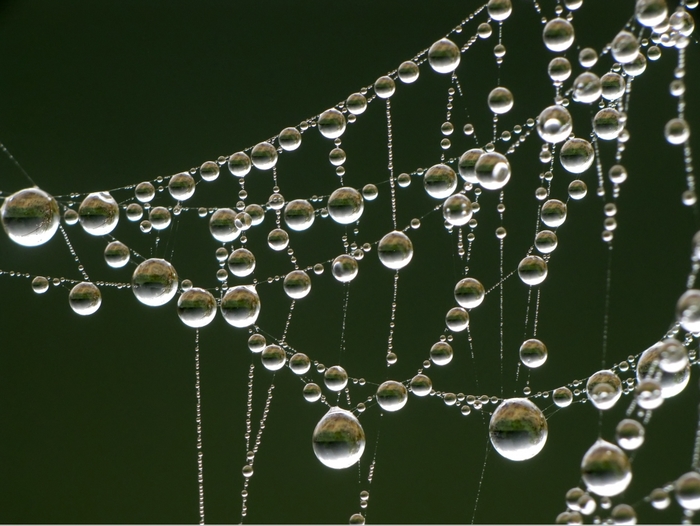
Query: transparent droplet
x,y
469,293
264,156
408,72
196,307
289,139
546,241
624,47
421,385
240,306
209,171
492,171
687,491
651,13
299,363
648,394
440,181
239,164
444,56
577,190
154,282
99,214
273,357
484,30
533,353
553,213
159,217
144,192
558,35
85,298
648,366
587,88
673,356
457,319
559,69
335,378
40,284
499,9
331,124
312,392
345,205
604,389
617,174
554,124
518,429
117,254
677,131
299,215
629,434
278,239
241,262
562,397
612,85
532,270
576,155
134,212
659,499
71,217
500,100
257,342
222,225
467,163
181,186
384,87
588,57
391,395
607,124
356,103
297,284
636,66
344,268
441,353
338,439
606,469
395,250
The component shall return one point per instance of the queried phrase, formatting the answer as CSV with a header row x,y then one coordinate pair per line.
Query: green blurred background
x,y
97,414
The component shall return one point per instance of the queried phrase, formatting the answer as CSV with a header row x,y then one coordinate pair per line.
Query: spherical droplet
x,y
395,250
239,164
607,124
440,181
30,217
612,85
297,284
300,364
241,262
356,103
673,356
40,285
117,254
546,241
181,186
554,124
604,389
257,342
240,306
391,395
562,397
559,69
577,190
331,124
659,499
648,394
518,429
576,155
85,298
144,192
467,163
338,439
499,9
558,35
312,392
344,268
278,239
264,156
588,57
289,139
606,469
469,293
384,87
492,171
533,353
457,319
532,270
99,213
688,310
273,357
623,514
345,205
421,385
587,88
648,366
441,353
222,225
677,131
624,47
408,72
629,434
370,192
335,378
553,213
196,307
687,491
444,56
159,217
650,13
154,282
500,100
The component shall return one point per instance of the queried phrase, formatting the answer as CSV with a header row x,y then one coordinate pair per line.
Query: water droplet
x,y
99,214
518,429
154,282
392,396
395,250
604,389
444,56
606,469
338,439
533,353
297,284
85,298
345,205
240,306
196,307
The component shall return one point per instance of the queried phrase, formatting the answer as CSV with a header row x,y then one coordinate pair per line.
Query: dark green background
x,y
97,414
